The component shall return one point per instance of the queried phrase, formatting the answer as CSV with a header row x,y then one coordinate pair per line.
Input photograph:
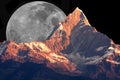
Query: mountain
x,y
75,51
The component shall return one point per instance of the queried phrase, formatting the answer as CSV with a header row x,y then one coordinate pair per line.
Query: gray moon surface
x,y
34,21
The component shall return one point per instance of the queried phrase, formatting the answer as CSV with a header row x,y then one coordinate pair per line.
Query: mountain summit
x,y
75,49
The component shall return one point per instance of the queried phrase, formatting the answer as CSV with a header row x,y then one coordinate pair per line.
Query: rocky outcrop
x,y
75,49
62,36
39,53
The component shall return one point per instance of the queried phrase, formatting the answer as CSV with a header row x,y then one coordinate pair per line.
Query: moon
x,y
34,21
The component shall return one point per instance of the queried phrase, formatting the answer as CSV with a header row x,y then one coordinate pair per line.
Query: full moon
x,y
34,21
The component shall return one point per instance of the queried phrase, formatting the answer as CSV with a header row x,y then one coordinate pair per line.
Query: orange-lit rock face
x,y
61,38
39,53
75,49
66,27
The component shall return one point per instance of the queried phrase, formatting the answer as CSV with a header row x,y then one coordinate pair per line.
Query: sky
x,y
101,15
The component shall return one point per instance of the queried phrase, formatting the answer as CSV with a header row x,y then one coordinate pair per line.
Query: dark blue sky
x,y
102,15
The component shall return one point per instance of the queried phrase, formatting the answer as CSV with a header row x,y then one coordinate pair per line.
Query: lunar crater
x,y
34,21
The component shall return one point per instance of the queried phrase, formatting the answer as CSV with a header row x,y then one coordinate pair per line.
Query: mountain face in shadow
x,y
75,51
31,71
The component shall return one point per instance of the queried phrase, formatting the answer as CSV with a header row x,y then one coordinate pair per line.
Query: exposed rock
x,y
75,49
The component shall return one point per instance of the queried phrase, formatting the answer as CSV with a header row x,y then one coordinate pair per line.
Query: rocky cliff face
x,y
75,50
